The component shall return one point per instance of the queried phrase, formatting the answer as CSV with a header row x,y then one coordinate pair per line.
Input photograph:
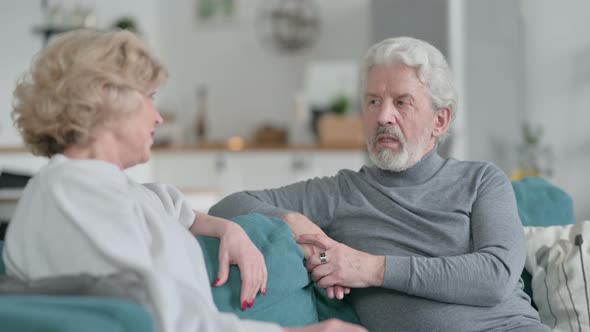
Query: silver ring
x,y
323,258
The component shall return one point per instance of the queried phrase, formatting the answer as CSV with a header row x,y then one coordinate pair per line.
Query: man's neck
x,y
423,170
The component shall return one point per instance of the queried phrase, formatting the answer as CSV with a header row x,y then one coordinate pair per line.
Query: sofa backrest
x,y
541,203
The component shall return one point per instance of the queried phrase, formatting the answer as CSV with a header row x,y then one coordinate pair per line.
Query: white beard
x,y
408,156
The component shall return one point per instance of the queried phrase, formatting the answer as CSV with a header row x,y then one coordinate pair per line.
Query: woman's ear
x,y
442,121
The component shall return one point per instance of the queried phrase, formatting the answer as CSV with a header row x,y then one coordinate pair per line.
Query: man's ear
x,y
442,121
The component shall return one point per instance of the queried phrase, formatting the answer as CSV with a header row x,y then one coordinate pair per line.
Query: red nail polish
x,y
244,305
215,282
264,292
251,304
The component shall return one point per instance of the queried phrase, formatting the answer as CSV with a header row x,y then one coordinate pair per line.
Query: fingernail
x,y
264,292
244,305
251,304
215,282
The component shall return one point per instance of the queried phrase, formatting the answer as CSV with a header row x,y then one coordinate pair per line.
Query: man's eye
x,y
401,103
373,102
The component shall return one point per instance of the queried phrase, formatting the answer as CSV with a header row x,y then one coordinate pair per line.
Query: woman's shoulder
x,y
69,174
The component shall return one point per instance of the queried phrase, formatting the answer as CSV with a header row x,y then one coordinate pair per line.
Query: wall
x,y
248,83
518,67
439,23
425,19
557,94
494,80
19,43
514,66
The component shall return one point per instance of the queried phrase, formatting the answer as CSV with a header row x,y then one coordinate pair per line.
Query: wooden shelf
x,y
10,195
220,146
249,147
13,149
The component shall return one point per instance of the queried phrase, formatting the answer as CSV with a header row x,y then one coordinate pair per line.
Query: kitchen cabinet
x,y
227,171
207,175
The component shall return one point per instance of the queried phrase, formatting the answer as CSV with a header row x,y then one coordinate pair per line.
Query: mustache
x,y
391,130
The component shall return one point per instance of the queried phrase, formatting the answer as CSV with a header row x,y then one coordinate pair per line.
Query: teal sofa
x,y
292,299
70,313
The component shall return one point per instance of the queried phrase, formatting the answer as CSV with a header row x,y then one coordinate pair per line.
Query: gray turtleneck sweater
x,y
449,230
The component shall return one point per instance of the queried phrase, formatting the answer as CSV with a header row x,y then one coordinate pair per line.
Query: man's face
x,y
399,117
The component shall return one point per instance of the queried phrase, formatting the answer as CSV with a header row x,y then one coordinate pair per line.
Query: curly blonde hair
x,y
82,80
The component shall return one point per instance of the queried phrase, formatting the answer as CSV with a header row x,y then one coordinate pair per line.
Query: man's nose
x,y
387,115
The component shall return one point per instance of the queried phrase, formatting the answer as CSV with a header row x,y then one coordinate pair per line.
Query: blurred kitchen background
x,y
263,92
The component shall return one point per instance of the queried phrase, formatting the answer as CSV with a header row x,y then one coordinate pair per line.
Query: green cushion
x,y
334,308
289,300
71,314
541,203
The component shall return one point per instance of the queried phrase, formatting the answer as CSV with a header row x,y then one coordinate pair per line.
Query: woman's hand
x,y
236,248
330,325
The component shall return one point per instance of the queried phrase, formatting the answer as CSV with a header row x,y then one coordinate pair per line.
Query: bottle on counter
x,y
300,130
201,117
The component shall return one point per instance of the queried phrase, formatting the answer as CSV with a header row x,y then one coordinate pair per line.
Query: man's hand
x,y
300,225
343,266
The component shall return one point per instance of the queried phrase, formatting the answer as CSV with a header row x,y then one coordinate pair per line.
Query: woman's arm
x,y
235,246
97,229
206,225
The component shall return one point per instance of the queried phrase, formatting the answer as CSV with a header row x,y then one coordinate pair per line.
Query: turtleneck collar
x,y
423,170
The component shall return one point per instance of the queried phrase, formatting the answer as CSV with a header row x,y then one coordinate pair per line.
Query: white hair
x,y
432,69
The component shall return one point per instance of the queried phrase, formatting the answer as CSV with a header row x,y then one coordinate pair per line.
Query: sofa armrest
x,y
26,313
85,303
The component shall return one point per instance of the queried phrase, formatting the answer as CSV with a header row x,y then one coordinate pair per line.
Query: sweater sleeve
x,y
101,232
484,277
315,198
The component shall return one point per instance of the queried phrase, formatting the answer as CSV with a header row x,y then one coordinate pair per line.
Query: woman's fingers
x,y
223,271
254,279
